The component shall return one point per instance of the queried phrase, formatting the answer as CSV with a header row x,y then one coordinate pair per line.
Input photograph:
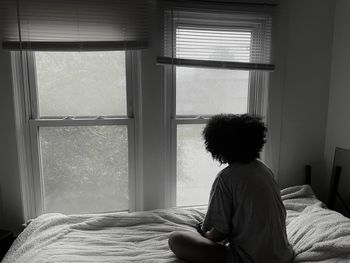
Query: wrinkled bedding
x,y
316,234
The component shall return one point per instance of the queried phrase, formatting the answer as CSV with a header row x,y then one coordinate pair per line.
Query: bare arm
x,y
214,235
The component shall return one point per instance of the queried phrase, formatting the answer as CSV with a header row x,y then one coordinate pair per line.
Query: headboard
x,y
308,174
339,185
339,195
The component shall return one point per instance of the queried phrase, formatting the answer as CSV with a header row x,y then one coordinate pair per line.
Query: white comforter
x,y
317,234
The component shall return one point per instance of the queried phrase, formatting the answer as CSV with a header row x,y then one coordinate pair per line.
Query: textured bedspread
x,y
117,237
317,234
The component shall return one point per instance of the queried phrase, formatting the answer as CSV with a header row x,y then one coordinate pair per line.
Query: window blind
x,y
75,24
217,39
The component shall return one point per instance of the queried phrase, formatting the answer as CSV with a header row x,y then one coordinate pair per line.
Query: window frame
x,y
28,123
256,104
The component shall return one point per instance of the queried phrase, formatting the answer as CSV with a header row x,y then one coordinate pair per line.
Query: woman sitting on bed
x,y
245,221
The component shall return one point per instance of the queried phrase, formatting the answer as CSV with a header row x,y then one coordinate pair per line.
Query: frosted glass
x,y
201,91
196,169
81,83
84,169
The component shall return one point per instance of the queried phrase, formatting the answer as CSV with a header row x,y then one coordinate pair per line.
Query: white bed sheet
x,y
317,234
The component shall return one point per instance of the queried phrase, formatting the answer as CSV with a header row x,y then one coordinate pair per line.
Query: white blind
x,y
75,24
217,38
207,43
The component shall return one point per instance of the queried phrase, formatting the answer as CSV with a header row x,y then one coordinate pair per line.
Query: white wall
x,y
338,124
297,116
10,195
306,29
153,116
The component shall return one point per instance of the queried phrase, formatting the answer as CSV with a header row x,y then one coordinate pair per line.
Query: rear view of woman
x,y
245,221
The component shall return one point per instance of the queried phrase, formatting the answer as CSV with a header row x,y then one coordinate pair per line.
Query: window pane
x,y
196,169
84,169
202,91
81,83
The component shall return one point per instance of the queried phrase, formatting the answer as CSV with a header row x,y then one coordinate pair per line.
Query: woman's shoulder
x,y
239,172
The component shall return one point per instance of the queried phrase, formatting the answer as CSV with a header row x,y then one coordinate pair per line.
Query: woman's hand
x,y
215,235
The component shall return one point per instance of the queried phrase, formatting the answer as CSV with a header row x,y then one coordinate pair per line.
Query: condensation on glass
x,y
206,92
201,91
84,169
196,170
81,83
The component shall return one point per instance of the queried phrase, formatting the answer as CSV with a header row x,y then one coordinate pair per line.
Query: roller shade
x,y
75,24
217,38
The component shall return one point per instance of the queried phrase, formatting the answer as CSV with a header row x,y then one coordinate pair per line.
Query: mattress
x,y
316,234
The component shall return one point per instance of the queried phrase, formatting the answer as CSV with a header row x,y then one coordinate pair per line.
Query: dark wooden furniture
x,y
6,239
338,195
337,190
333,187
308,174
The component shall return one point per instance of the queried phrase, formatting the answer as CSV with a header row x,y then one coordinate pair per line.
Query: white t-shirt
x,y
245,203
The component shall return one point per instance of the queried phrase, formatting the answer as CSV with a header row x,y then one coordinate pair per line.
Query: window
x,y
82,130
95,137
201,93
212,69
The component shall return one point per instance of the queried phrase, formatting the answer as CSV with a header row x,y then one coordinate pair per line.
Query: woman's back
x,y
245,204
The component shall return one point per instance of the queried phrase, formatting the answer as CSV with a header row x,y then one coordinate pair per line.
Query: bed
x,y
316,233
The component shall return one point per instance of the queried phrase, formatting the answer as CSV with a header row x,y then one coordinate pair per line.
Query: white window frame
x,y
256,104
27,124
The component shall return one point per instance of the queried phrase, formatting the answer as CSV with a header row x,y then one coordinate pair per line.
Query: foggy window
x,y
81,83
202,91
205,92
196,170
84,168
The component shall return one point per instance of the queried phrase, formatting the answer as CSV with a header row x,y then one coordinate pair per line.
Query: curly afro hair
x,y
234,138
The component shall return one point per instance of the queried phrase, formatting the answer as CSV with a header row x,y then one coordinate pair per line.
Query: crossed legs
x,y
193,247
